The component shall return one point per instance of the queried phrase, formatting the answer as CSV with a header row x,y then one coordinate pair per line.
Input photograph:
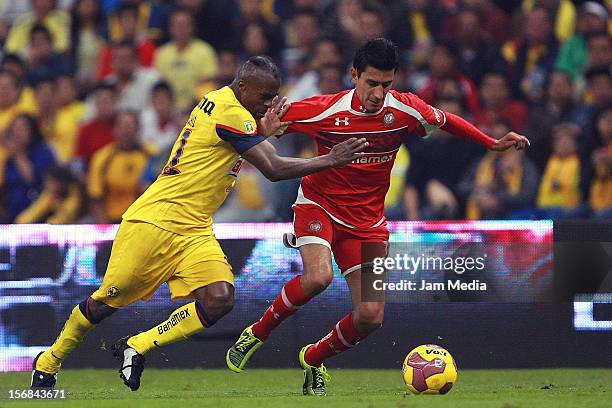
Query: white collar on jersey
x,y
361,111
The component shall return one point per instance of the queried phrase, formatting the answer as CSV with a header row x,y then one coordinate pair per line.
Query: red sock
x,y
342,337
291,298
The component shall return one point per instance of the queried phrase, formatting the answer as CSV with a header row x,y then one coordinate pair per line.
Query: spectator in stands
x,y
435,170
562,12
243,14
573,55
185,61
130,31
600,195
116,170
228,66
476,54
100,130
24,159
60,201
42,61
443,66
599,98
159,121
70,114
133,83
532,55
45,93
87,38
15,99
44,12
497,104
416,26
255,41
494,21
151,19
599,51
559,193
326,53
500,186
558,106
302,39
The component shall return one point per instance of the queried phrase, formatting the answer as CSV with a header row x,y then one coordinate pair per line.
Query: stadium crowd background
x,y
93,95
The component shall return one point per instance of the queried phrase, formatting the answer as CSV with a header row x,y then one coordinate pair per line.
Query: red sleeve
x,y
431,118
462,128
306,109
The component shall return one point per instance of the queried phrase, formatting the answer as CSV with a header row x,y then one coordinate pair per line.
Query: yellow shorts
x,y
145,256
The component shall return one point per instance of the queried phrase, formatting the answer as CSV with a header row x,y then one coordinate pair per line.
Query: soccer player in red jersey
x,y
338,210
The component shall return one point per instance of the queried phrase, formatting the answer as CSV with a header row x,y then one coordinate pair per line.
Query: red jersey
x,y
354,195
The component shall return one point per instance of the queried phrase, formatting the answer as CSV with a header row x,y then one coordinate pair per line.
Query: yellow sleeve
x,y
36,211
95,179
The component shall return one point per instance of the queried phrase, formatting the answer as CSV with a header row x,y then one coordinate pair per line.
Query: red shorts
x,y
313,225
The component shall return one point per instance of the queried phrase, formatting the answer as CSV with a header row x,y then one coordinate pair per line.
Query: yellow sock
x,y
182,323
74,331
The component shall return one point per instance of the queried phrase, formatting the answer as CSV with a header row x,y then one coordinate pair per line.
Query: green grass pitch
x,y
259,388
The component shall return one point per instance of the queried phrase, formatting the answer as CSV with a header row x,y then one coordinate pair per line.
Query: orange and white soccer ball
x,y
429,369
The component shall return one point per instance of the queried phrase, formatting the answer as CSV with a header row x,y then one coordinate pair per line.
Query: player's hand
x,y
347,151
270,124
509,140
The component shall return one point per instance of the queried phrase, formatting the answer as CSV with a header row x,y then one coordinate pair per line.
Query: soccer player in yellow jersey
x,y
166,235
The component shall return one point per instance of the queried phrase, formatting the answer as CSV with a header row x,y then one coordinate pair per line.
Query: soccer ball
x,y
429,369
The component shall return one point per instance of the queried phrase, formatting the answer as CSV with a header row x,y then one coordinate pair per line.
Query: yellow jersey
x,y
202,167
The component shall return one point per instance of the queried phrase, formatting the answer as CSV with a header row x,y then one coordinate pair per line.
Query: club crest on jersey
x,y
344,121
315,226
389,119
249,127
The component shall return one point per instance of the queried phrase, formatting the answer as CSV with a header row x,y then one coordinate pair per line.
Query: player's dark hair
x,y
378,53
259,62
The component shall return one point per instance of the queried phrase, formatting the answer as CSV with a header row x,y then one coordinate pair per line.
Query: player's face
x,y
371,87
257,93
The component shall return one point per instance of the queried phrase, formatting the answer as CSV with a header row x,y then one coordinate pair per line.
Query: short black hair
x,y
13,59
39,28
162,86
127,8
378,53
595,72
258,62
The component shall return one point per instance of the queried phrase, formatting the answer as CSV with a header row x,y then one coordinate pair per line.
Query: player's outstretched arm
x,y
275,167
462,128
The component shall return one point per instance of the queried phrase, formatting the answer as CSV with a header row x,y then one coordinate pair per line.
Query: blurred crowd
x,y
93,94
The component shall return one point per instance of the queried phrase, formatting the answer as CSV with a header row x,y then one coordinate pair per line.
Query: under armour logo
x,y
344,121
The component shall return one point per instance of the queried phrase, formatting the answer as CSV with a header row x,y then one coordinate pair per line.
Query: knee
x,y
95,311
369,316
217,304
316,281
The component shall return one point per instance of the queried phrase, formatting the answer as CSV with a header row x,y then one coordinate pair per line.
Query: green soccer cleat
x,y
239,354
314,377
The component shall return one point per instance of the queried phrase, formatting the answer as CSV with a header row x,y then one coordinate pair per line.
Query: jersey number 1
x,y
170,169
